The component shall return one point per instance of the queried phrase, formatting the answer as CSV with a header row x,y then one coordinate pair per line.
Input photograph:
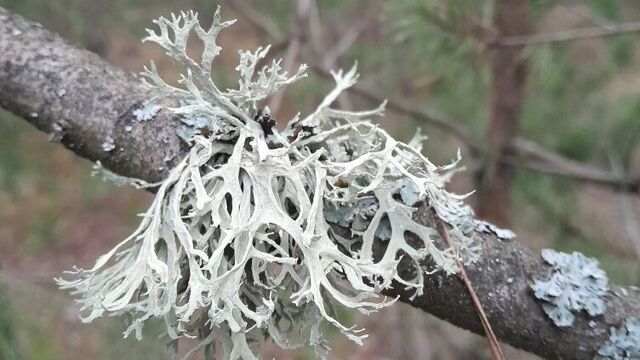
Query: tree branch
x,y
523,153
469,29
570,35
529,155
96,106
82,100
428,115
256,17
299,14
481,34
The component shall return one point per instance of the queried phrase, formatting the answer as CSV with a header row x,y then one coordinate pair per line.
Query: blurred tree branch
x,y
294,44
488,36
603,30
465,29
628,216
520,152
256,17
84,101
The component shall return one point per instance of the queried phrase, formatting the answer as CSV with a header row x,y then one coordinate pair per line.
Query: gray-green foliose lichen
x,y
146,112
623,342
195,124
238,244
577,283
108,144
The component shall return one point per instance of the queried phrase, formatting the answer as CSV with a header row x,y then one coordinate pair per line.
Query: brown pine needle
x,y
494,345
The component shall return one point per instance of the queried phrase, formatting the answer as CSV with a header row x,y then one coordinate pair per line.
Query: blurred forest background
x,y
549,127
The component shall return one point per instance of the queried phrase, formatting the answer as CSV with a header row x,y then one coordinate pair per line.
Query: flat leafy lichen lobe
x,y
623,342
577,283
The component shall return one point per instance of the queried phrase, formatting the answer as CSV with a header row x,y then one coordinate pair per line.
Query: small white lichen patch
x,y
147,112
57,132
119,180
620,292
243,239
489,228
108,144
577,283
623,342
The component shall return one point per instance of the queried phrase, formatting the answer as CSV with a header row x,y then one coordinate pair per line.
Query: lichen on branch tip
x,y
245,237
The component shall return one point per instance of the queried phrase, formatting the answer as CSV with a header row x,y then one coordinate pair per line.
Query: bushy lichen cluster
x,y
577,283
623,343
242,241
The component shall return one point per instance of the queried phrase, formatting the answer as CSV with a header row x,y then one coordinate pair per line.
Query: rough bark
x,y
97,103
82,100
509,73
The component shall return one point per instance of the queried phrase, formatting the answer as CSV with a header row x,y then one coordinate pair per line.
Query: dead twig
x,y
345,43
257,18
494,344
471,29
529,155
569,35
301,13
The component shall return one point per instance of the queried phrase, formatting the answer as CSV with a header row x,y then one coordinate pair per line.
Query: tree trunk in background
x,y
509,73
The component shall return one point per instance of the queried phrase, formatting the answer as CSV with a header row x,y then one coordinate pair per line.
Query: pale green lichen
x,y
577,283
623,342
240,242
147,112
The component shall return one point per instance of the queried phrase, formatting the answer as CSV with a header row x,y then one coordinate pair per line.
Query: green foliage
x,y
576,145
625,127
151,347
8,342
41,231
12,162
622,51
41,345
608,9
451,66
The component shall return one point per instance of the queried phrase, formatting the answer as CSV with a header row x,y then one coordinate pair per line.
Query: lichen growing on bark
x,y
623,342
577,283
240,242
